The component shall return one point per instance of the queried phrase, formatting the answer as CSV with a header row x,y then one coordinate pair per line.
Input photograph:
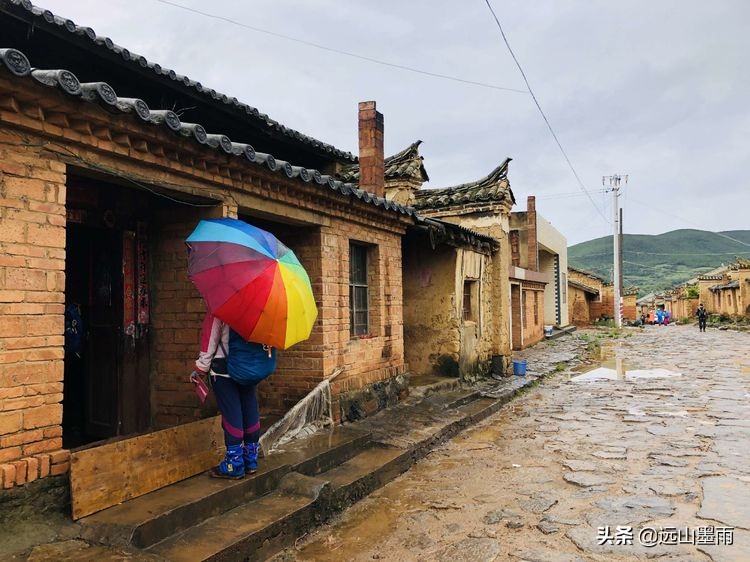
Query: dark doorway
x,y
106,386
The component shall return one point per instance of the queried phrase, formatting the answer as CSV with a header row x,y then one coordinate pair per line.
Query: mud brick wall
x,y
431,326
629,308
578,306
32,283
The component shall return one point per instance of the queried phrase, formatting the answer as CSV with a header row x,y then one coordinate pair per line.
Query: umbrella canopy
x,y
252,282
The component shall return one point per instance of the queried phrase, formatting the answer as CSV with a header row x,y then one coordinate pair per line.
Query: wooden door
x,y
104,334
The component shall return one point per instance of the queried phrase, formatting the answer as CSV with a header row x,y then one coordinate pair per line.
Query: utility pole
x,y
615,182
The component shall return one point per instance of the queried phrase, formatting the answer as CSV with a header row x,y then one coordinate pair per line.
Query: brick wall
x,y
380,354
32,282
32,263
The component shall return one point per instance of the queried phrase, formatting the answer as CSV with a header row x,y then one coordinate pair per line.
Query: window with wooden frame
x,y
359,297
471,300
536,307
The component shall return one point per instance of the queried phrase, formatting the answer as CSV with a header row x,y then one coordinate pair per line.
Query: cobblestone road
x,y
536,481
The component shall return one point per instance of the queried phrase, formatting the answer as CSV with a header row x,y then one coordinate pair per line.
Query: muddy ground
x,y
663,448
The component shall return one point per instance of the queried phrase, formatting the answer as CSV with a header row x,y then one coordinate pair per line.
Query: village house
x,y
455,318
538,276
101,182
592,297
726,290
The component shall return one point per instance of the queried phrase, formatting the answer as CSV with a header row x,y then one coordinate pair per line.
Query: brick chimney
x,y
533,247
371,149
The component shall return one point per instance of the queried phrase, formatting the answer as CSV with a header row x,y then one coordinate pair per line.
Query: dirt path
x,y
536,481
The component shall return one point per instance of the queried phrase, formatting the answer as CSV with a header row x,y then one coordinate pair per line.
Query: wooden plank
x,y
103,476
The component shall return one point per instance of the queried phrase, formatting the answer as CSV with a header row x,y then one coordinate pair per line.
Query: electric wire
x,y
541,112
340,51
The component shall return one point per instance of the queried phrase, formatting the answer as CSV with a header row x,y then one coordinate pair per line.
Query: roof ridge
x,y
103,94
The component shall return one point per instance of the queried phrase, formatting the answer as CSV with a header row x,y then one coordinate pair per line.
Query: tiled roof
x,y
731,285
44,18
407,164
583,287
587,273
457,235
103,94
489,189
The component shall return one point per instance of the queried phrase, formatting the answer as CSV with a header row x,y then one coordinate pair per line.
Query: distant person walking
x,y
660,316
702,315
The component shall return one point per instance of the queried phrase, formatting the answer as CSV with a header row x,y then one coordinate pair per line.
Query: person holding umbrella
x,y
259,299
222,353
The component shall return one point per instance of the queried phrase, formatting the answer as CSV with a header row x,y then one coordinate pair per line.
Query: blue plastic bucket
x,y
519,367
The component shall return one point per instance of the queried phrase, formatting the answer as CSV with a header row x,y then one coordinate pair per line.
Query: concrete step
x,y
365,473
146,520
424,385
264,526
253,531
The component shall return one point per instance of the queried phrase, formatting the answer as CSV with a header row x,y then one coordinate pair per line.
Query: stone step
x,y
146,520
424,385
264,526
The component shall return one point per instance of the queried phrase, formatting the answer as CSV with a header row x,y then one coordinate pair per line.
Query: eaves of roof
x,y
583,287
88,39
731,285
489,189
587,273
102,94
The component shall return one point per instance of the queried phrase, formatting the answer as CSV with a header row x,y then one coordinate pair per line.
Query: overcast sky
x,y
658,90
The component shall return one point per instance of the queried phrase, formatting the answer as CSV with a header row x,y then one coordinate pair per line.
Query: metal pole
x,y
616,253
622,269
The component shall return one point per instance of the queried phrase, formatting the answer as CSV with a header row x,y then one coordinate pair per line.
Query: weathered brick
x,y
50,414
45,235
10,454
10,422
32,468
21,403
13,231
20,472
44,465
25,188
42,446
57,457
58,469
8,475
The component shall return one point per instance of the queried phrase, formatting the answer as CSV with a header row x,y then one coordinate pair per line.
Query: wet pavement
x,y
660,441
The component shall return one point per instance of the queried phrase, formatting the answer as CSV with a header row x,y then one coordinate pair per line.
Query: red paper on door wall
x,y
128,283
142,288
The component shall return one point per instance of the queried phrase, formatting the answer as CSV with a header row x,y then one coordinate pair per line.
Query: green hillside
x,y
656,262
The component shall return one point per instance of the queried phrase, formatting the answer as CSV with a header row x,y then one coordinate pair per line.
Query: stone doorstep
x,y
294,491
559,332
421,386
146,520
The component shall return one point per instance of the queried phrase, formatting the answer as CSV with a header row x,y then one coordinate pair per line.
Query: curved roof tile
x,y
491,188
18,66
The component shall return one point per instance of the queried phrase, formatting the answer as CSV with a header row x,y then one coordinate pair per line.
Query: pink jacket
x,y
212,332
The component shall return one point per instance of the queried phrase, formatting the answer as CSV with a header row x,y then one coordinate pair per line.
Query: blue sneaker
x,y
250,457
232,467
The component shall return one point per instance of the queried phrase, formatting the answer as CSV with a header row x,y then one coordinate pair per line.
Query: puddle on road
x,y
617,369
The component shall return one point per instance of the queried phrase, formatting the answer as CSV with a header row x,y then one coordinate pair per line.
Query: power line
x,y
340,51
539,107
683,219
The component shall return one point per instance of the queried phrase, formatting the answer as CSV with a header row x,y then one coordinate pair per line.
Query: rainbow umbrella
x,y
252,282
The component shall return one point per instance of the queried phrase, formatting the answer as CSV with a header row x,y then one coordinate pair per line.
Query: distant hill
x,y
657,262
